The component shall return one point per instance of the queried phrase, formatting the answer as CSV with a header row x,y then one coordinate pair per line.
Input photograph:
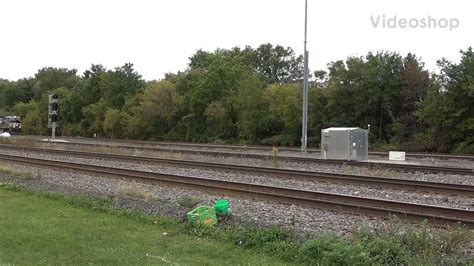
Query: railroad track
x,y
442,156
336,202
394,166
405,184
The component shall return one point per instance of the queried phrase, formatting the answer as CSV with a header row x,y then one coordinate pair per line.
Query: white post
x,y
304,137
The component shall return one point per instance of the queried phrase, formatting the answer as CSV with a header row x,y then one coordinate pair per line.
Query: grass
x,y
54,229
59,229
275,153
399,244
24,141
135,190
188,202
23,174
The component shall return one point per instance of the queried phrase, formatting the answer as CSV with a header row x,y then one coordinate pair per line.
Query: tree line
x,y
254,96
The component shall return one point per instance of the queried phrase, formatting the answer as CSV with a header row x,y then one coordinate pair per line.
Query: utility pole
x,y
304,137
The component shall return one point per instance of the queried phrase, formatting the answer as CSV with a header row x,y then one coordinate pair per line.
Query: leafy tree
x,y
203,59
113,124
160,106
363,91
91,87
116,86
34,122
135,125
215,85
383,84
50,78
279,64
14,92
4,86
285,110
415,81
70,111
93,118
449,108
253,95
317,112
252,110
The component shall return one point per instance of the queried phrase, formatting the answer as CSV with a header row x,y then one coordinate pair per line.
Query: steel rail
x,y
442,156
396,166
336,202
405,184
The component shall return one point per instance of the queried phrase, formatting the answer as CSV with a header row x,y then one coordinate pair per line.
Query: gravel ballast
x,y
277,162
355,190
172,201
432,161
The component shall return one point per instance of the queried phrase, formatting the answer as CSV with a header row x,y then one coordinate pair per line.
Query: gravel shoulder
x,y
172,201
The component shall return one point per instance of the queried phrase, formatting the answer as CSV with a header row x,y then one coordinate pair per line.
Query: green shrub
x,y
280,140
404,243
386,251
425,141
254,237
329,249
465,147
188,202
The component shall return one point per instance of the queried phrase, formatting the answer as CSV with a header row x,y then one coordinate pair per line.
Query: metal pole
x,y
53,132
304,137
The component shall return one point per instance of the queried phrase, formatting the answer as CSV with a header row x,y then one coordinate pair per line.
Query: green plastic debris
x,y
222,207
203,215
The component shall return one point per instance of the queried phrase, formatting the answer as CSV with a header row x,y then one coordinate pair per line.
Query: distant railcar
x,y
10,124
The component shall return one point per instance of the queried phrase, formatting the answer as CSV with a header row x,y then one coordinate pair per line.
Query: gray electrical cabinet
x,y
345,143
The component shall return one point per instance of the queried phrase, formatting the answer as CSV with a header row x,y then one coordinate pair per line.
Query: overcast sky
x,y
159,36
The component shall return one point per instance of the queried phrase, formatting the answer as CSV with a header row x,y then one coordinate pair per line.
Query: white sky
x,y
159,36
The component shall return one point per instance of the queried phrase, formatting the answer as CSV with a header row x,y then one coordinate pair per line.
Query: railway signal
x,y
53,114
